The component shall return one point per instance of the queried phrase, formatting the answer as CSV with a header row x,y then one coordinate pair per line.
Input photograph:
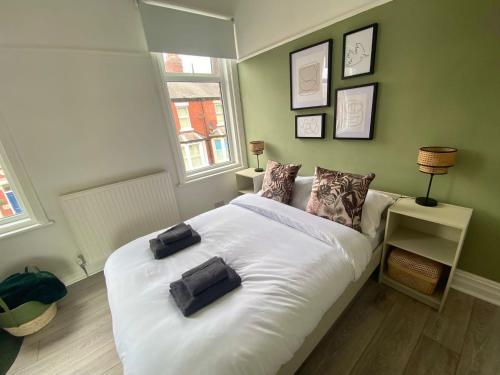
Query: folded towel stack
x,y
203,284
173,240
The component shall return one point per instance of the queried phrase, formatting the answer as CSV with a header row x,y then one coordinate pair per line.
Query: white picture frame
x,y
355,112
310,76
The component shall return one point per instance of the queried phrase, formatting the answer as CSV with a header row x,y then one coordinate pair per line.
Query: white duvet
x,y
293,266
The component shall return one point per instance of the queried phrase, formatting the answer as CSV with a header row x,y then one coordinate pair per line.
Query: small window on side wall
x,y
10,204
19,206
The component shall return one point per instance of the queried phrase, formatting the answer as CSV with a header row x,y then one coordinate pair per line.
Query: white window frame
x,y
203,153
33,216
216,104
229,84
183,105
224,150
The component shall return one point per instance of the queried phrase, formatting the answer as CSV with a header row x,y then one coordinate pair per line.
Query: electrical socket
x,y
80,260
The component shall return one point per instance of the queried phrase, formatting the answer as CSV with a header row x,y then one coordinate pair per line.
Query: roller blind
x,y
177,31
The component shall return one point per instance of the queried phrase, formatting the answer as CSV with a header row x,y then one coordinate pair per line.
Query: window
x,y
221,151
194,155
17,212
219,112
202,105
175,63
9,203
183,116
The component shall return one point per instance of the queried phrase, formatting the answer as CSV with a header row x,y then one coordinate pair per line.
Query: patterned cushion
x,y
278,181
339,196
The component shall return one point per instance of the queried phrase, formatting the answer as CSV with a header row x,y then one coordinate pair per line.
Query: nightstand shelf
x,y
444,214
424,244
432,300
436,233
248,181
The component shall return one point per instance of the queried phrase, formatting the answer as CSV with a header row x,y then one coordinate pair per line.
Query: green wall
x,y
438,68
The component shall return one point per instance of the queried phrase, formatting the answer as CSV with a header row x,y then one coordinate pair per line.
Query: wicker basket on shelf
x,y
414,271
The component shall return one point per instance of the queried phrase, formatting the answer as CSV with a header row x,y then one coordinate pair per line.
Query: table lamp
x,y
257,148
434,160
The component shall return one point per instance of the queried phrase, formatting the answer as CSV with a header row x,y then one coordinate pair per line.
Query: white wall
x,y
261,24
79,96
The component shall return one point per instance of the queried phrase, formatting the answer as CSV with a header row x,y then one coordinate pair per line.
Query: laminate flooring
x,y
382,332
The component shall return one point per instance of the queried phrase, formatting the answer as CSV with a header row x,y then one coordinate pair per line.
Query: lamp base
x,y
259,170
428,202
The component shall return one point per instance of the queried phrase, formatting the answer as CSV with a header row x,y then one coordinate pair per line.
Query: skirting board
x,y
477,286
72,278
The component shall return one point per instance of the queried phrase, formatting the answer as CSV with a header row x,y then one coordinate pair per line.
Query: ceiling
x,y
264,24
223,7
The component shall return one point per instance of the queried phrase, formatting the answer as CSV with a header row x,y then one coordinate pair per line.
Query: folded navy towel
x,y
189,304
203,265
161,250
205,277
175,233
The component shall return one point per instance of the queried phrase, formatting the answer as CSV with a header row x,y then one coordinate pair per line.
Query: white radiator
x,y
105,218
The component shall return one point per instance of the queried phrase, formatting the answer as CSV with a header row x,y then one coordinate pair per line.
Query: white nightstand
x,y
248,181
436,233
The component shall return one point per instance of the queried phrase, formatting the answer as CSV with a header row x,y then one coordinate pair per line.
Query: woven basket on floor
x,y
414,271
26,319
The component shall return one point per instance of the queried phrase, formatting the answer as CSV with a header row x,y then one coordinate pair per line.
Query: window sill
x,y
215,172
25,229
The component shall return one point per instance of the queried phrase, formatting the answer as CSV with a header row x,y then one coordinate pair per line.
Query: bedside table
x,y
435,233
248,181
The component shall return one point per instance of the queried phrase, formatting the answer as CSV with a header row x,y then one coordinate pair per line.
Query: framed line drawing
x,y
355,112
310,76
358,57
310,126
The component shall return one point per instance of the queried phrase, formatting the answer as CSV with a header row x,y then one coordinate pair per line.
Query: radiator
x,y
104,218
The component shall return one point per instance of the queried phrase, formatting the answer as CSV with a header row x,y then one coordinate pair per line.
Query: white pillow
x,y
373,208
301,192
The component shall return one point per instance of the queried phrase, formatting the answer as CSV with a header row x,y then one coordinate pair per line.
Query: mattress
x,y
293,266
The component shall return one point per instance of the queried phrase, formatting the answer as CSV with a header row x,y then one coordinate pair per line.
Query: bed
x,y
299,272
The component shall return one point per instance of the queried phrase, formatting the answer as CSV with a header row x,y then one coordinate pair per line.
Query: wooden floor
x,y
383,332
79,340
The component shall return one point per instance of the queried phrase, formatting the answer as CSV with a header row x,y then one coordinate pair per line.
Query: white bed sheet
x,y
379,235
293,266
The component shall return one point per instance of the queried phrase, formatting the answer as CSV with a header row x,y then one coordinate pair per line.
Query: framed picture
x,y
358,58
355,112
310,126
310,76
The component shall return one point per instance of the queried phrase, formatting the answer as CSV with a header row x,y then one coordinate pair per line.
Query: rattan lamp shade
x,y
436,160
257,148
